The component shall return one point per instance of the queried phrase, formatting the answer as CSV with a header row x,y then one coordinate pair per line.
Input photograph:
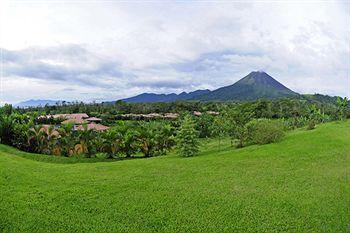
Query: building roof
x,y
93,126
74,121
171,115
93,119
213,113
71,116
152,115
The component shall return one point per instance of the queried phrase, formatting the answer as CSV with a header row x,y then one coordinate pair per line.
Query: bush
x,y
80,156
264,131
102,156
311,125
295,122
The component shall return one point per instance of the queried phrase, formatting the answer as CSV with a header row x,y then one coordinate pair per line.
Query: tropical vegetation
x,y
135,135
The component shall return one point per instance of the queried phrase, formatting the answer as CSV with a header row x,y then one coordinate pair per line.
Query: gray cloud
x,y
157,83
67,63
115,50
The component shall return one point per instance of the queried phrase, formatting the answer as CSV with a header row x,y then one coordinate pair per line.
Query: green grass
x,y
301,184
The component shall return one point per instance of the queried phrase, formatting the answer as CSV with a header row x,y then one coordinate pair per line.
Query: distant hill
x,y
255,85
36,103
152,98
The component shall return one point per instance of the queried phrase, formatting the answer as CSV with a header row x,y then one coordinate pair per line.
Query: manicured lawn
x,y
301,184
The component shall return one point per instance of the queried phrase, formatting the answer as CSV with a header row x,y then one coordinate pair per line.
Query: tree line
x,y
247,123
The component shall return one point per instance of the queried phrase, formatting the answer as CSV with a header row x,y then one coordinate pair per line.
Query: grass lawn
x,y
301,184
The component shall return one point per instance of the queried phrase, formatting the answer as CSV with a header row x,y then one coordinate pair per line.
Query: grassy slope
x,y
299,184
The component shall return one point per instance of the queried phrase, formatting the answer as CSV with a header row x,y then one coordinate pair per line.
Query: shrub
x,y
264,131
102,156
311,124
295,122
80,156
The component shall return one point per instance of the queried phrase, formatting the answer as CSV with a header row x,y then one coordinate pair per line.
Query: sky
x,y
108,50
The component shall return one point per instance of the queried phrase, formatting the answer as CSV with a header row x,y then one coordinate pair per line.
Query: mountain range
x,y
256,85
151,97
36,103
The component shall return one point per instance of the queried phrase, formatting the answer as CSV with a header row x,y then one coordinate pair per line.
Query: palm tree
x,y
49,139
114,139
67,141
164,137
147,138
85,138
129,145
36,138
100,144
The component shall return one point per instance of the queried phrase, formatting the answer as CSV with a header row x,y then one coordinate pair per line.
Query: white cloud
x,y
102,48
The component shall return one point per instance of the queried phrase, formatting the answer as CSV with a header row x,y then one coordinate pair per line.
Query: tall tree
x,y
219,128
187,138
236,120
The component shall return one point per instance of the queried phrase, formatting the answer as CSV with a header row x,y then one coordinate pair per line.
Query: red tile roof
x,y
93,119
74,121
71,116
93,126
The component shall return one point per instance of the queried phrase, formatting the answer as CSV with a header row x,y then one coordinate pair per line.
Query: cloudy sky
x,y
107,50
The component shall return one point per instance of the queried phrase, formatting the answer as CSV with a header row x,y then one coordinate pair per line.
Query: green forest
x,y
135,130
